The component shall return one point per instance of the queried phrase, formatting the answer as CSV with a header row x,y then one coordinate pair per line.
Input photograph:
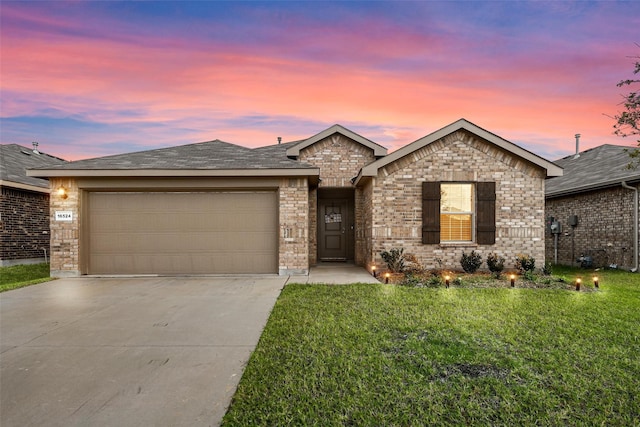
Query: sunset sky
x,y
88,79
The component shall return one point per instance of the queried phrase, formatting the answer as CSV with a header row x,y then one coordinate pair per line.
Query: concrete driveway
x,y
160,351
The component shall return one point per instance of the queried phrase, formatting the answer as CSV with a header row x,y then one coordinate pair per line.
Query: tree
x,y
628,121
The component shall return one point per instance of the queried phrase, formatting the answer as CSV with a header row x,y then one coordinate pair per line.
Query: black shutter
x,y
486,215
430,212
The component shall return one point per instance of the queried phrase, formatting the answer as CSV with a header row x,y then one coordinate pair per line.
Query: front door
x,y
333,228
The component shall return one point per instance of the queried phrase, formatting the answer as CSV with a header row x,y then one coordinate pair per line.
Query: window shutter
x,y
430,212
486,216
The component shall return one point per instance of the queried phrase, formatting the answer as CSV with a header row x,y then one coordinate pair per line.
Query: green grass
x,y
397,356
18,276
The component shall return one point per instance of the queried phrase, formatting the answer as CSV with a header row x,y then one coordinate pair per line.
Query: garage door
x,y
183,233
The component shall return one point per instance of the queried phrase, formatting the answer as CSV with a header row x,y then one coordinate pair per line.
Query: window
x,y
459,212
456,212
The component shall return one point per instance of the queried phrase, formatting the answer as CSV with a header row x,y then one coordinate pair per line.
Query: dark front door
x,y
334,225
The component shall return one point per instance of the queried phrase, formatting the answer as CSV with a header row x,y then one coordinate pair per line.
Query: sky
x,y
93,78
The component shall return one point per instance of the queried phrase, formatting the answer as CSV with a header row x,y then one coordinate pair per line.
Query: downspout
x,y
635,224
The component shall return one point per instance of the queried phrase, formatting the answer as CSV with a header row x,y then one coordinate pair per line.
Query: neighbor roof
x,y
596,168
372,169
16,159
213,158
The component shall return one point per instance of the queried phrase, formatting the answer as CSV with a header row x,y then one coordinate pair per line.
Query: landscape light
x,y
446,281
386,278
578,281
373,270
513,280
595,282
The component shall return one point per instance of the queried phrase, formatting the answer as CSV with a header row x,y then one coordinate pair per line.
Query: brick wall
x,y
604,230
339,159
294,223
24,225
461,156
65,235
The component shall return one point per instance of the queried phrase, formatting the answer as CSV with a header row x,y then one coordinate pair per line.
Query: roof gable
x,y
550,168
378,150
599,167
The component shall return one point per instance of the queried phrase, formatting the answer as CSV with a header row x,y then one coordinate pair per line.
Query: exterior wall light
x,y
513,280
62,192
578,281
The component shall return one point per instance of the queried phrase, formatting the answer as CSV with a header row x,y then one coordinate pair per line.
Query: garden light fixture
x,y
596,283
578,281
446,280
513,280
386,278
373,270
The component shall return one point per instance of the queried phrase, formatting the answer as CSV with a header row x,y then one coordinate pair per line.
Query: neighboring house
x,y
24,205
596,209
215,207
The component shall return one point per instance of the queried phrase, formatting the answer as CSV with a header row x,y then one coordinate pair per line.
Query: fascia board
x,y
20,186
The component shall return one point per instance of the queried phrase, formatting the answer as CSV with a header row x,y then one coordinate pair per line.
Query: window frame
x,y
472,213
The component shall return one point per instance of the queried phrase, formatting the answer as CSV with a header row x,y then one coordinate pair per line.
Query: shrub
x,y
525,263
412,265
547,270
495,264
394,259
471,263
411,281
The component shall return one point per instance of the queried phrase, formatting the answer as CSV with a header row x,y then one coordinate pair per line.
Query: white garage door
x,y
183,232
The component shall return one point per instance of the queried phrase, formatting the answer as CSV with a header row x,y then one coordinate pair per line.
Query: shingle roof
x,y
598,167
15,159
212,155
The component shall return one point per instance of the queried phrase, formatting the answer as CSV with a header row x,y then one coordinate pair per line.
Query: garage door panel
x,y
183,233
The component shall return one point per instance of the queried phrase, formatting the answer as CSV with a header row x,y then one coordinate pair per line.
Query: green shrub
x,y
547,270
471,263
394,259
411,281
495,264
525,263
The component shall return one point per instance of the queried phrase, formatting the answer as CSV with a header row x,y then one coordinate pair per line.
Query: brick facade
x,y
65,235
294,231
339,159
395,200
24,226
604,231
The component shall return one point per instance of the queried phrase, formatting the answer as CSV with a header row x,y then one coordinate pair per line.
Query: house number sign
x,y
64,216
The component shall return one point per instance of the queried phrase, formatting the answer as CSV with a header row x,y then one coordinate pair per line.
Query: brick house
x,y
595,203
24,205
215,207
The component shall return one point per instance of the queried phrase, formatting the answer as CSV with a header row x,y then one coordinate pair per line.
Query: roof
x,y
378,150
599,167
372,169
212,158
16,159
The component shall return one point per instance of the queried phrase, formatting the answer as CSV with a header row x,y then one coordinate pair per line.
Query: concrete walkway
x,y
336,273
162,351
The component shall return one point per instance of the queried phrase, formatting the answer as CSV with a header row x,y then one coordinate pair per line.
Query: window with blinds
x,y
456,212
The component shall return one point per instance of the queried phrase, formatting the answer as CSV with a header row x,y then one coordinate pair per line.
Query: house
x,y
595,209
216,207
24,205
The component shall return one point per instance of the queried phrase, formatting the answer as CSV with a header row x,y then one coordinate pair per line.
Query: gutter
x,y
635,224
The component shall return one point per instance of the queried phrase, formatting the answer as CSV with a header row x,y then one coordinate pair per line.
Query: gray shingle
x,y
597,167
212,155
15,159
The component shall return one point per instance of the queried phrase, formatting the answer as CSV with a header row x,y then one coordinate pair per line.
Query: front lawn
x,y
391,355
18,276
